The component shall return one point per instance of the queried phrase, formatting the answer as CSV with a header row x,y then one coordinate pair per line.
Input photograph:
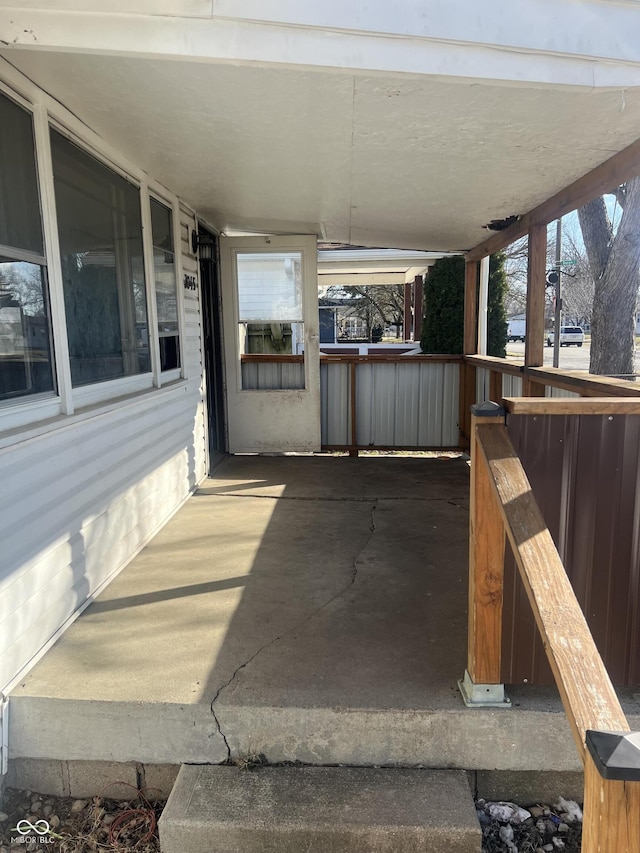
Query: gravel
x,y
79,825
509,828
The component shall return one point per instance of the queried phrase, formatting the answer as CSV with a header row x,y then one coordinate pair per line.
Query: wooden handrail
x,y
270,358
500,487
585,384
491,362
571,405
392,358
582,679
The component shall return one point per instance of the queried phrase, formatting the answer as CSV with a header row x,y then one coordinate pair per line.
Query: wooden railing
x,y
502,504
534,381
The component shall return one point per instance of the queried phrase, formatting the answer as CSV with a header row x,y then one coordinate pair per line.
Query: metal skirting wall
x,y
400,404
585,474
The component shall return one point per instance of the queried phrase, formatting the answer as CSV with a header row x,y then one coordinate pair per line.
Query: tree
x,y
614,259
442,329
496,313
377,305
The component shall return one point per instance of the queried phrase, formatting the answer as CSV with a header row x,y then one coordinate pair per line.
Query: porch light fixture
x,y
204,243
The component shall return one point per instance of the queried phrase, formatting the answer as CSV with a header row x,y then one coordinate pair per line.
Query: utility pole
x,y
557,322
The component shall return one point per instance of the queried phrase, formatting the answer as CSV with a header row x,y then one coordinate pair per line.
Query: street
x,y
571,358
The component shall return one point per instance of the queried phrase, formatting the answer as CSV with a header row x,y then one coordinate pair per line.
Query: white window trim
x,y
47,113
97,392
177,246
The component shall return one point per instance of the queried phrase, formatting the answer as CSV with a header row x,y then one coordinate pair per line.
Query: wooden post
x,y
486,569
611,813
417,307
468,371
536,287
495,386
407,323
353,404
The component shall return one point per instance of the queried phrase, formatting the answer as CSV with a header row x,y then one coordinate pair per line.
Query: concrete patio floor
x,y
309,608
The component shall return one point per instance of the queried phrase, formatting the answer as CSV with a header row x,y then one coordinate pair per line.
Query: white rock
x,y
558,843
569,810
3,817
78,805
508,812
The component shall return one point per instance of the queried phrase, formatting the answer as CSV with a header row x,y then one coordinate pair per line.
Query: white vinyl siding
x,y
80,500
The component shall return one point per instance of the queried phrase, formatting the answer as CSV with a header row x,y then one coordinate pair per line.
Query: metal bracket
x,y
4,734
482,695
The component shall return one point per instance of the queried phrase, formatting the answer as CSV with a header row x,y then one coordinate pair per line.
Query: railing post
x,y
353,403
481,686
611,820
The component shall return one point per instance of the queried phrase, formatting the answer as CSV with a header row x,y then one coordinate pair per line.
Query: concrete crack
x,y
297,626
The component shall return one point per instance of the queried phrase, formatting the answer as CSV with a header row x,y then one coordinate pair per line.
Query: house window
x,y
100,233
26,361
164,266
270,318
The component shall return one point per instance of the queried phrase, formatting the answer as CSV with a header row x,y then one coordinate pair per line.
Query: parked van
x,y
569,336
516,330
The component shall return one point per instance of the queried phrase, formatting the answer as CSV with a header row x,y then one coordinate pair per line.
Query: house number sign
x,y
190,282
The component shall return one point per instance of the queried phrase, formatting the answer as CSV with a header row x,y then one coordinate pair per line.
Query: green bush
x,y
443,324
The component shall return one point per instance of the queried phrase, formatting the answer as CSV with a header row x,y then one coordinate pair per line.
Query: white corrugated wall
x,y
80,498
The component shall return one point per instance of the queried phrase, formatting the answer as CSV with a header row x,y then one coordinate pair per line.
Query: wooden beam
x,y
611,813
531,388
581,677
586,384
572,406
467,399
407,324
536,287
486,570
495,386
353,402
418,292
470,345
607,176
492,362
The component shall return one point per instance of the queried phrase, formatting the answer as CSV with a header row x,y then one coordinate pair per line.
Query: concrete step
x,y
219,809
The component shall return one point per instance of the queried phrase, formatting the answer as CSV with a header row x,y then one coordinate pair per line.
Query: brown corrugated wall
x,y
585,474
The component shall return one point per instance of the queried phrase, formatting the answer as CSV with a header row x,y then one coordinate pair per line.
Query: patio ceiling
x,y
368,158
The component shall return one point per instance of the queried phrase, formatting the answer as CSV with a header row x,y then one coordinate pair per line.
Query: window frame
x,y
20,413
164,377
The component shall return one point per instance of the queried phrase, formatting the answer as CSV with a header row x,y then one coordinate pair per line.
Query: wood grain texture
x,y
470,345
572,406
536,288
531,388
582,680
492,362
353,403
583,383
495,386
467,399
270,358
486,571
611,813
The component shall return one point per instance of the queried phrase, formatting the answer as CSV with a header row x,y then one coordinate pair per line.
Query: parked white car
x,y
569,336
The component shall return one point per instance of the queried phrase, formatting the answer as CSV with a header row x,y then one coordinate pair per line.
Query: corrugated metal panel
x,y
585,473
482,385
559,392
272,376
397,405
117,476
335,396
511,385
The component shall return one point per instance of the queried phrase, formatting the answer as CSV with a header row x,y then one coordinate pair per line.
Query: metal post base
x,y
482,695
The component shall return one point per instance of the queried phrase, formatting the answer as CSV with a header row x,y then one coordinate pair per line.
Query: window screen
x,y
166,285
100,230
